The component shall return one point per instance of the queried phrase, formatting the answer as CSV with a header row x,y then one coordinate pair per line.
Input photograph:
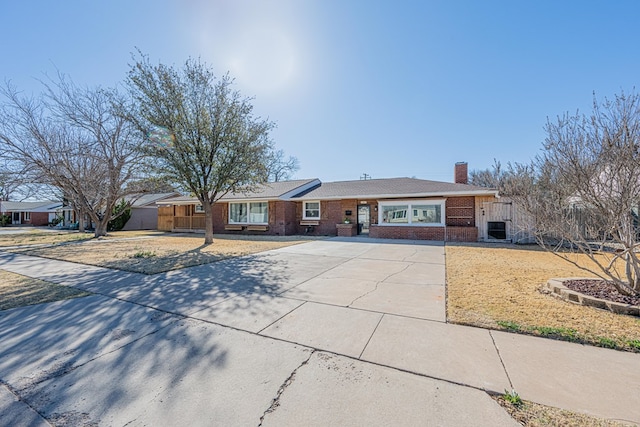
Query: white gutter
x,y
397,196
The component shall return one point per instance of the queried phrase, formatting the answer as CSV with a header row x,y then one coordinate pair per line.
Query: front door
x,y
16,218
364,215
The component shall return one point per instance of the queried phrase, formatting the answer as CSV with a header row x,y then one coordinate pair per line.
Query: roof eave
x,y
404,196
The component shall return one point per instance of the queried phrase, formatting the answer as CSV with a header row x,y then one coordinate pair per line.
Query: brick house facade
x,y
396,208
31,213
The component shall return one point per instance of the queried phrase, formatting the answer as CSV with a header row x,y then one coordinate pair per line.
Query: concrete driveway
x,y
334,332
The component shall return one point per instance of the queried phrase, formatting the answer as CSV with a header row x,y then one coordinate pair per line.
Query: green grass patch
x,y
566,334
144,254
634,344
509,326
607,342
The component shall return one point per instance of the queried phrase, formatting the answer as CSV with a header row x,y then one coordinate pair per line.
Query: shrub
x,y
121,214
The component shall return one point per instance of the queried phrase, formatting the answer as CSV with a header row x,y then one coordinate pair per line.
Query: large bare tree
x,y
10,180
72,138
281,168
202,134
490,178
583,190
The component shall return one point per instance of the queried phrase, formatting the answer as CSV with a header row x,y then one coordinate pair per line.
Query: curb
x,y
558,289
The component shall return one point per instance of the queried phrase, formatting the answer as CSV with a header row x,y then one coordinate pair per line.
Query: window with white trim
x,y
249,213
412,212
311,210
27,216
199,209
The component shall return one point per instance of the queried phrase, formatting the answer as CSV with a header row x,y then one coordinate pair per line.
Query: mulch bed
x,y
601,289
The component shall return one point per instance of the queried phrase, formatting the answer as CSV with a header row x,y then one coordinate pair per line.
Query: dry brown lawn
x,y
19,291
532,414
154,252
40,237
499,286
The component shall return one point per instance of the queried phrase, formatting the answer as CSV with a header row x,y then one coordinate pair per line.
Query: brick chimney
x,y
461,175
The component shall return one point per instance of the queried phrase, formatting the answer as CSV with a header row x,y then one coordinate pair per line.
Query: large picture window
x,y
259,212
249,213
395,214
311,210
413,212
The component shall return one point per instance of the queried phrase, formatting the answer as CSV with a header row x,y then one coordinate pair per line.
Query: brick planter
x,y
347,230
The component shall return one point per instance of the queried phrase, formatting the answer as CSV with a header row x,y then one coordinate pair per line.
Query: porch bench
x,y
232,227
257,228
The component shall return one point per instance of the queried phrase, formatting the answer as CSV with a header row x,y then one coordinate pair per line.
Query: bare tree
x,y
490,178
150,184
201,133
10,181
72,139
583,191
281,168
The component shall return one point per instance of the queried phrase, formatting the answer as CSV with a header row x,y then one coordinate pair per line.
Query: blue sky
x,y
393,88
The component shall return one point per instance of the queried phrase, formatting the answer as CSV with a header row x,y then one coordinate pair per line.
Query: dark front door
x,y
364,214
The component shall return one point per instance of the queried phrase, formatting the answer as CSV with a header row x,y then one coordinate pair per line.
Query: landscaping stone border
x,y
558,289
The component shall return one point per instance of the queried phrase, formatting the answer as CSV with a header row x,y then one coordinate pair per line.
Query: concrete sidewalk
x,y
343,331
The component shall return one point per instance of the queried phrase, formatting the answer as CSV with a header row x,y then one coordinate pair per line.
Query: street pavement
x,y
345,331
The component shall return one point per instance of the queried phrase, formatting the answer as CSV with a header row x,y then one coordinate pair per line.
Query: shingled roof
x,y
313,189
271,191
149,199
391,188
6,206
276,190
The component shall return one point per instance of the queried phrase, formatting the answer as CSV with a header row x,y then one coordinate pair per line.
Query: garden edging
x,y
558,289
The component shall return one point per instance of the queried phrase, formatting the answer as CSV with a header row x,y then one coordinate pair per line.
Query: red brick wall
x,y
462,234
220,214
282,218
291,226
37,218
349,205
453,234
461,211
331,213
285,217
405,232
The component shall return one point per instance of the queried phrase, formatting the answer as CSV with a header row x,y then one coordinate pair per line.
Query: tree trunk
x,y
208,223
80,220
101,228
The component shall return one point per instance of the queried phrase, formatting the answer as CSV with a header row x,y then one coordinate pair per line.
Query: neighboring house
x,y
400,208
144,211
32,213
